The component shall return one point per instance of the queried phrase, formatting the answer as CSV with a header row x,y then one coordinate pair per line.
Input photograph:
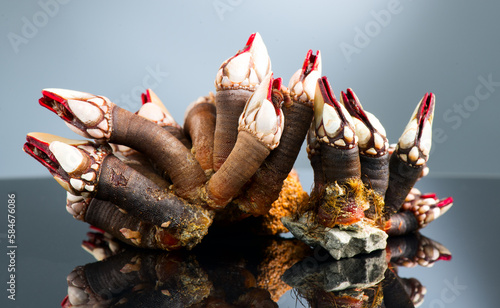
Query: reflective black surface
x,y
48,247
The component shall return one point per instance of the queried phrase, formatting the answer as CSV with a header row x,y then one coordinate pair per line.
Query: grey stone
x,y
345,243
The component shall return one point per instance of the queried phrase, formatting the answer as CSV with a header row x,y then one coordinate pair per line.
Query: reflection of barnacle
x,y
235,271
150,277
416,249
152,183
241,269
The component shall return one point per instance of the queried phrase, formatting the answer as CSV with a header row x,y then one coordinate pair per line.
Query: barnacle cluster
x,y
153,183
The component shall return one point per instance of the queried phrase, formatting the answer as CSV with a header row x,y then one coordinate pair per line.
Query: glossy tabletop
x,y
48,247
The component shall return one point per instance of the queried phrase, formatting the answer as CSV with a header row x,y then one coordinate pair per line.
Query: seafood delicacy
x,y
153,183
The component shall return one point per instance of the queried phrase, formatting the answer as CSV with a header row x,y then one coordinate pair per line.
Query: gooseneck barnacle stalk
x,y
153,183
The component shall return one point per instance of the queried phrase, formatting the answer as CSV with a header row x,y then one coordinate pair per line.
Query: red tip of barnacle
x,y
444,257
29,149
47,101
311,63
429,195
146,97
43,101
354,108
89,245
249,43
65,302
39,150
97,229
424,107
276,97
445,202
307,61
328,95
270,88
425,111
326,90
51,95
277,83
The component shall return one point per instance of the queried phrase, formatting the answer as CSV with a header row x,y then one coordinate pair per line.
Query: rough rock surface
x,y
346,243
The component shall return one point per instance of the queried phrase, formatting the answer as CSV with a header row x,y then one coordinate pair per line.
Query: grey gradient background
x,y
111,48
117,48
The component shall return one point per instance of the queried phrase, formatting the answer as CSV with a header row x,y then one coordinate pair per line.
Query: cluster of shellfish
x,y
153,183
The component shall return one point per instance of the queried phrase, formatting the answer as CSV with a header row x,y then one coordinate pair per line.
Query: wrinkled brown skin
x,y
265,185
200,126
230,105
339,165
319,176
162,148
402,223
375,172
178,133
402,177
141,197
375,176
106,216
142,164
244,160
